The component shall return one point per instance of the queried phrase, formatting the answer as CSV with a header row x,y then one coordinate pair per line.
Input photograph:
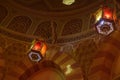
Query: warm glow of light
x,y
98,15
37,45
43,50
107,13
69,69
68,2
108,16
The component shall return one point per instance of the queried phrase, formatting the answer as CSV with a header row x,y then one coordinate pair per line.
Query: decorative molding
x,y
61,11
61,40
15,36
82,36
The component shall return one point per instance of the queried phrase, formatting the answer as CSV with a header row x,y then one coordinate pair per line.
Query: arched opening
x,y
46,74
45,70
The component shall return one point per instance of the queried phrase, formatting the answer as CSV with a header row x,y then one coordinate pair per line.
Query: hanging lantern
x,y
37,50
104,20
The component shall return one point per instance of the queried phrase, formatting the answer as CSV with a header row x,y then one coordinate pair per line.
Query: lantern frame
x,y
37,53
102,23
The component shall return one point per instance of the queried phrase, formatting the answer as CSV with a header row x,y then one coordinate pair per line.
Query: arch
x,y
40,67
20,24
44,29
73,26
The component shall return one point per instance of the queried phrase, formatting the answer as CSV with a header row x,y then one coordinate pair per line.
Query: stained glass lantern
x,y
104,20
37,50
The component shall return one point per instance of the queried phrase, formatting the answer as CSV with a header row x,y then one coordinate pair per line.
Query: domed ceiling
x,y
55,22
68,30
56,5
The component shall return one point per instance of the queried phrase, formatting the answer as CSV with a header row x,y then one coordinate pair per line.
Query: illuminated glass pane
x,y
107,13
98,15
43,50
37,46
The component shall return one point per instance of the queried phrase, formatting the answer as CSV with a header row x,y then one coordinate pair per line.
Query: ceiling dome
x,y
57,6
52,20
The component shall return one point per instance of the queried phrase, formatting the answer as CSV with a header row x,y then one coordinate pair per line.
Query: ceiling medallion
x,y
68,2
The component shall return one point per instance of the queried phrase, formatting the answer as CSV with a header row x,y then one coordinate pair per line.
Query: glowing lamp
x,y
107,13
38,50
104,13
39,45
98,15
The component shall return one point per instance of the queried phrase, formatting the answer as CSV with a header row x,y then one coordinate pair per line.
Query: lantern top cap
x,y
40,39
106,6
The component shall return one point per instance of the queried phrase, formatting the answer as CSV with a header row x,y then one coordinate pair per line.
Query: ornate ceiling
x,y
68,30
54,21
55,6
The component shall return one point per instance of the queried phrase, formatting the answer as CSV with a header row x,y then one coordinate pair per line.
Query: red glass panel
x,y
37,46
107,13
